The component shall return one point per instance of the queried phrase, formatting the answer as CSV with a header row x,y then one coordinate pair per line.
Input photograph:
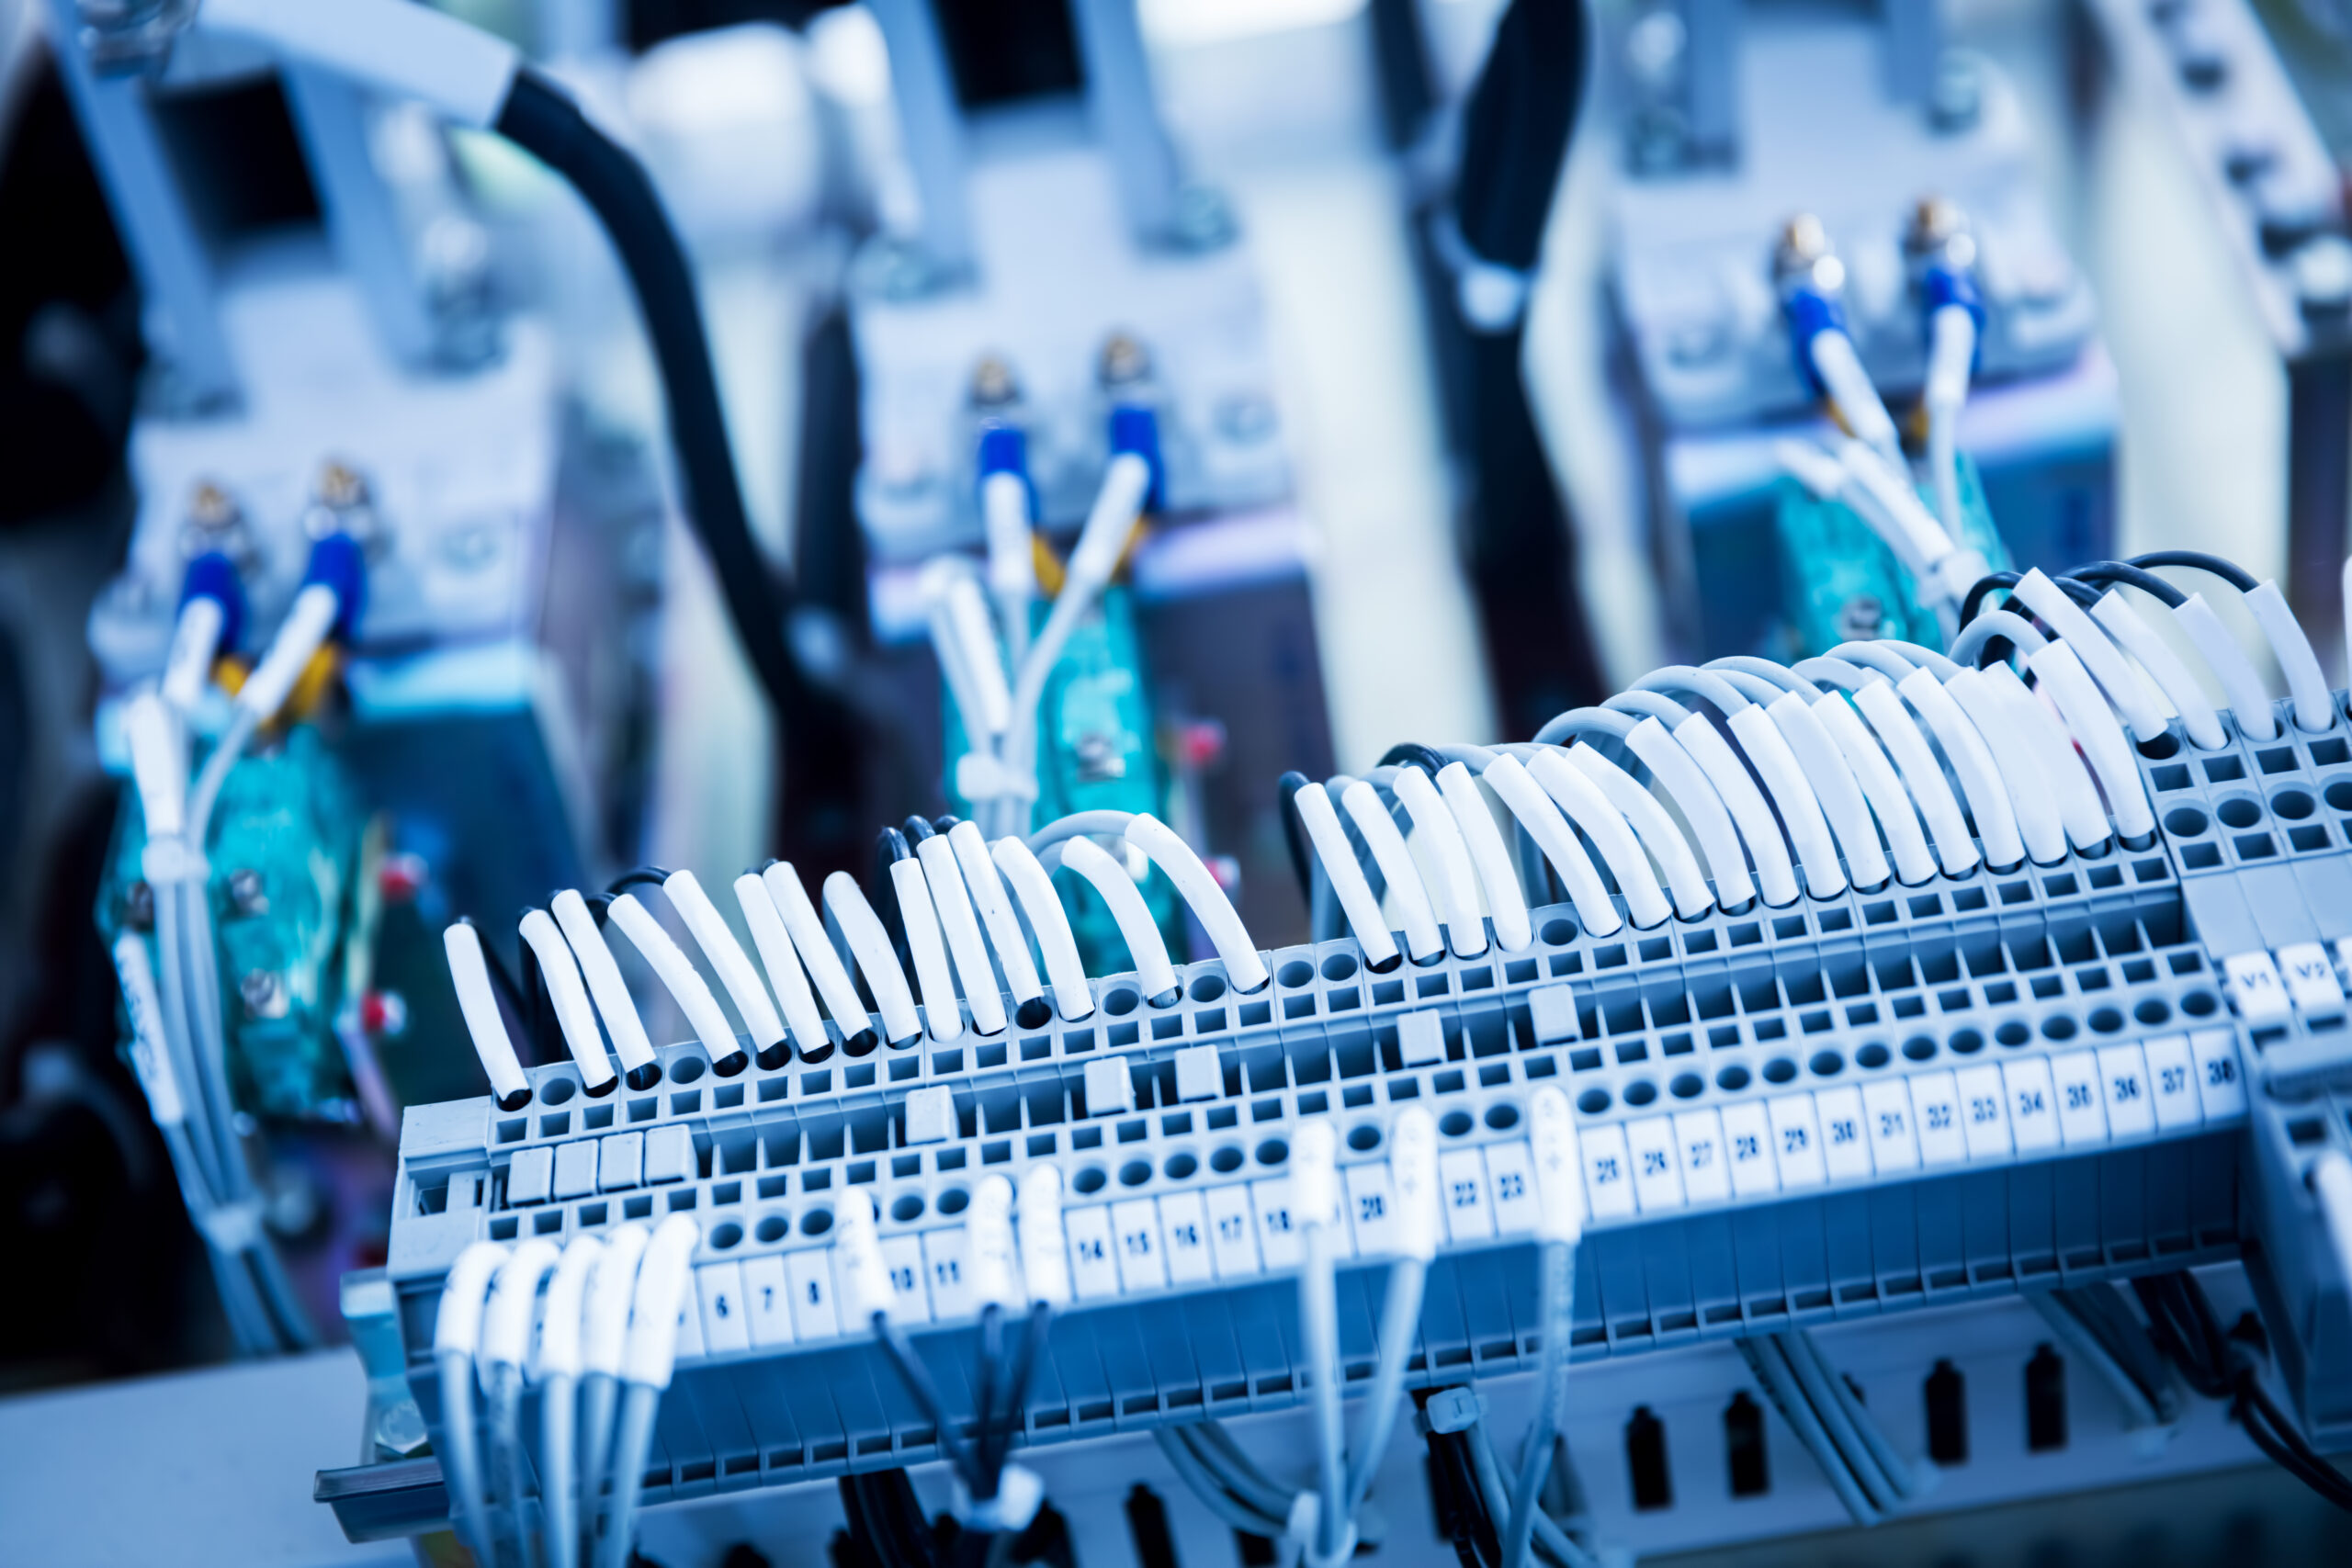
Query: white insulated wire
x,y
2164,667
807,929
1834,786
1244,969
1997,830
650,1352
927,946
1506,903
727,957
2240,682
789,981
1044,1250
1907,842
1584,804
469,972
2314,706
158,765
876,960
1108,875
2104,746
1840,366
574,1014
2079,807
951,901
1792,797
1012,562
1313,803
514,1295
679,977
986,886
1951,349
2125,687
1653,826
1448,858
1364,808
300,635
1055,944
1922,774
195,641
1968,648
1703,807
2019,764
565,1327
1517,790
1776,870
613,1004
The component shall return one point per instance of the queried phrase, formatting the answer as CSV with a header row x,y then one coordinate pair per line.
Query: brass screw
x,y
1125,360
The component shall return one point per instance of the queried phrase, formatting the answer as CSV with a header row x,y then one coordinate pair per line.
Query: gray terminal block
x,y
1850,1106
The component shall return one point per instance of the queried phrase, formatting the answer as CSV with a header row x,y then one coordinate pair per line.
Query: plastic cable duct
x,y
2102,1063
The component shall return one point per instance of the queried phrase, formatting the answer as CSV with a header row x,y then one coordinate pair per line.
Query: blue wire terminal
x,y
213,576
340,562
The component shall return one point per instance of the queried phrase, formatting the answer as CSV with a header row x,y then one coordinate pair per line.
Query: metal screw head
x,y
1806,255
1125,360
994,386
341,485
400,1430
214,523
247,894
262,993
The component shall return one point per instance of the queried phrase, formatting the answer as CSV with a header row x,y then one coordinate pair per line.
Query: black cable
x,y
918,1379
643,877
541,119
1515,129
1010,1419
889,848
917,829
984,1399
2228,571
2185,1332
1986,586
1413,754
2131,576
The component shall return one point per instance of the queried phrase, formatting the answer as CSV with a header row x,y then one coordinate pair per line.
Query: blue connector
x,y
214,576
1135,427
340,562
1812,284
1942,256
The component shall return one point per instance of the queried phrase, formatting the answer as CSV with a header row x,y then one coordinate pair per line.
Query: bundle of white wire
x,y
178,1031
996,675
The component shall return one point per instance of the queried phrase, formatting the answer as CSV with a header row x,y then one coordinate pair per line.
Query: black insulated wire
x,y
917,829
542,120
2123,574
643,877
1983,589
889,848
2228,571
1413,754
1301,862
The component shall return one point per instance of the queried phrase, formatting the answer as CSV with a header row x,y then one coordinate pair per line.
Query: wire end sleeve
x,y
816,949
650,1352
607,989
199,633
1155,974
679,977
469,972
951,901
2249,704
1588,809
786,976
150,1056
158,765
604,1339
302,634
1447,854
1245,970
986,885
927,949
1058,945
1497,874
1528,802
992,1256
865,1278
732,964
2314,707
2131,631
846,900
506,1321
1312,803
1045,1253
574,1014
1411,894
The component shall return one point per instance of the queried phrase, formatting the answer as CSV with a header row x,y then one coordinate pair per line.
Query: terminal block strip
x,y
1846,1106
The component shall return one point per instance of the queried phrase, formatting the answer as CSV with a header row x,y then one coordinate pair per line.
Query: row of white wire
x,y
970,910
1872,763
606,1314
